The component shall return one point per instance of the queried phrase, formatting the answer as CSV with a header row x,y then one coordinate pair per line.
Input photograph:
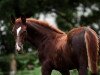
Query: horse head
x,y
19,31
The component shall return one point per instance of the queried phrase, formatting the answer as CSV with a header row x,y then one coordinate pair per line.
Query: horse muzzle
x,y
19,48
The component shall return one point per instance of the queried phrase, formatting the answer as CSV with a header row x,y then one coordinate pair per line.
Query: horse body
x,y
51,47
61,51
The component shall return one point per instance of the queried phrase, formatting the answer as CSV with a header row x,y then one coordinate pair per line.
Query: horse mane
x,y
45,24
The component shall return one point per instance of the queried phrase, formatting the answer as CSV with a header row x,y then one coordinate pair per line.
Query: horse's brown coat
x,y
61,51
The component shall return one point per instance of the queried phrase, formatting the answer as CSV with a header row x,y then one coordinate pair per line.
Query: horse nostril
x,y
19,49
19,52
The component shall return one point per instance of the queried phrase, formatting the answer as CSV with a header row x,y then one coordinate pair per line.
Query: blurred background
x,y
64,14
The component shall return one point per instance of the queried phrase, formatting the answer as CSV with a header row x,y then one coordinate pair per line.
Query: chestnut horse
x,y
78,49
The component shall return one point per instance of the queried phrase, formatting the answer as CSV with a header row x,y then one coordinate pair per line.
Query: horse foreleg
x,y
82,71
46,68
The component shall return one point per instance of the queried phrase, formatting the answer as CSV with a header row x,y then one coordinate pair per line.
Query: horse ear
x,y
23,18
12,19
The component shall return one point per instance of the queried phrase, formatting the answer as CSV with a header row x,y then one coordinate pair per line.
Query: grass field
x,y
37,71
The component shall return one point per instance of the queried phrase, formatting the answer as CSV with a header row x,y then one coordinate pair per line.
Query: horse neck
x,y
36,34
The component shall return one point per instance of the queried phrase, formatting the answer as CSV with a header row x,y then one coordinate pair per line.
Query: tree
x,y
64,9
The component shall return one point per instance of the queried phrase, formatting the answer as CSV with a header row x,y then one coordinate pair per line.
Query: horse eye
x,y
12,31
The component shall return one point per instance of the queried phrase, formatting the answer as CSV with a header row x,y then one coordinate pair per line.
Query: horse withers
x,y
78,49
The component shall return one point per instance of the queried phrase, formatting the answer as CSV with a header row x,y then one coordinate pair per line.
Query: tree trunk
x,y
13,65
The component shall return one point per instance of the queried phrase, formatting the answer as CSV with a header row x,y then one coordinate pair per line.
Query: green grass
x,y
37,71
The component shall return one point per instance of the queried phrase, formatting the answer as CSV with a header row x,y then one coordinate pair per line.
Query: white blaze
x,y
18,30
17,46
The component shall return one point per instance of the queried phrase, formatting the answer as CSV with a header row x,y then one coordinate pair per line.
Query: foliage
x,y
66,10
